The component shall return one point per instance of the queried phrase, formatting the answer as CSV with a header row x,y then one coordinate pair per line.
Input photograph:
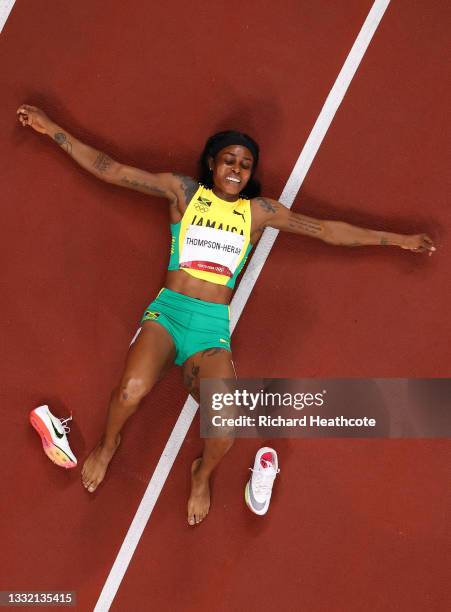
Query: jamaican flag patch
x,y
150,316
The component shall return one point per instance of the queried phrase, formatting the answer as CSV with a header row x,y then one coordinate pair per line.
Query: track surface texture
x,y
354,524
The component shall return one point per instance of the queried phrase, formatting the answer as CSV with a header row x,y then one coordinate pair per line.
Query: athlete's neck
x,y
225,196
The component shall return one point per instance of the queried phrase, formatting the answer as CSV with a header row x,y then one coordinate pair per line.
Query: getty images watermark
x,y
389,407
298,401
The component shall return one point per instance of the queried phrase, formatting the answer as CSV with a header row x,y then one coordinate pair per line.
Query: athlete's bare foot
x,y
96,464
199,500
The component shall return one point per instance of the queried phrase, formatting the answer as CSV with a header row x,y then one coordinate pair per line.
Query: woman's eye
x,y
230,162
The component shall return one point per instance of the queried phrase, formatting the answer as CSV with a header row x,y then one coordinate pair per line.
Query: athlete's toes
x,y
89,484
93,486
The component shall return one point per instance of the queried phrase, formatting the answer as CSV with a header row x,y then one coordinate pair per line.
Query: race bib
x,y
211,250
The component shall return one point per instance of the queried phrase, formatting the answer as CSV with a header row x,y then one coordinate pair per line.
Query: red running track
x,y
354,525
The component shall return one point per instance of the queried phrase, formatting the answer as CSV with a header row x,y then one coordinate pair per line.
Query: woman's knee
x,y
133,389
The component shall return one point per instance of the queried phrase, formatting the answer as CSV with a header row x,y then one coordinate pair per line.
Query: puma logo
x,y
235,212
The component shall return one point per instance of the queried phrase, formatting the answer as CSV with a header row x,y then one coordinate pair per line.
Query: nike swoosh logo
x,y
257,505
57,433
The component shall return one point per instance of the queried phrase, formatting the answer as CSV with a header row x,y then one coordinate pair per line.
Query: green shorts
x,y
194,325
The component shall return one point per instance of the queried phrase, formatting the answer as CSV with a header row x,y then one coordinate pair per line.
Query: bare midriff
x,y
182,282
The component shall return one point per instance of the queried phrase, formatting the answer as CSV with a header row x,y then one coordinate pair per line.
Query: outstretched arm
x,y
165,184
274,214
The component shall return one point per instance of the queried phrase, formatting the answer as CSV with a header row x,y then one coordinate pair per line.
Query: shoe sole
x,y
248,502
53,452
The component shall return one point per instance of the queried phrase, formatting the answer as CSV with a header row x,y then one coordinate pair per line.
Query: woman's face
x,y
232,169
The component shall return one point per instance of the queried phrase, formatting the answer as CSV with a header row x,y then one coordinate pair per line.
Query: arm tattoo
x,y
306,225
188,185
384,241
143,187
266,205
63,142
102,162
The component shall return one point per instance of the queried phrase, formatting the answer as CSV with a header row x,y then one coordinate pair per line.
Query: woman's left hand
x,y
418,243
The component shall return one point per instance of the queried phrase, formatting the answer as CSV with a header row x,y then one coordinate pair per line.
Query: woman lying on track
x,y
215,221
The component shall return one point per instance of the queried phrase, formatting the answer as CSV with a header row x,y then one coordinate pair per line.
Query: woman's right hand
x,y
34,117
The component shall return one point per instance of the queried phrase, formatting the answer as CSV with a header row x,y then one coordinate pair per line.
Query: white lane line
x,y
254,268
308,153
5,9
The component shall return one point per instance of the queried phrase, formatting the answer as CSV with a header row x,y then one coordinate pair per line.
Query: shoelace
x,y
264,478
63,423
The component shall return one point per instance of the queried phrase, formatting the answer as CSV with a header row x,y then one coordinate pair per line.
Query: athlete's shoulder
x,y
265,204
185,186
263,209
